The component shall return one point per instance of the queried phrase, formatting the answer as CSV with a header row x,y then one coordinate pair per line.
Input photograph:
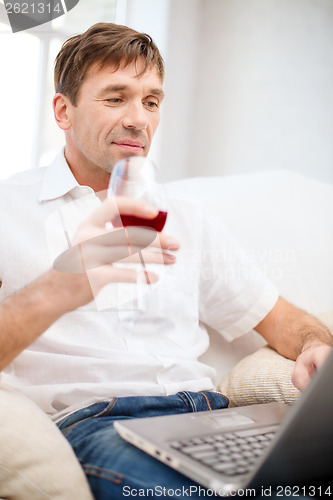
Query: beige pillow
x,y
36,461
264,376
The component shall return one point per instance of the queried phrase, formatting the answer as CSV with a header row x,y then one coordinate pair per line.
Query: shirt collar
x,y
58,179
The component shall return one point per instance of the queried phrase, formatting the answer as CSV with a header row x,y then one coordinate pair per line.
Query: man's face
x,y
116,116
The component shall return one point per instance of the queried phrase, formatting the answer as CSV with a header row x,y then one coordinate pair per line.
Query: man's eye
x,y
151,104
114,100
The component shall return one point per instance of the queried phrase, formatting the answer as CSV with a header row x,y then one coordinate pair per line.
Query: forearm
x,y
28,313
290,330
311,333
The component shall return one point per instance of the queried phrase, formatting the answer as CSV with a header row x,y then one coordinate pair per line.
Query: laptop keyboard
x,y
230,454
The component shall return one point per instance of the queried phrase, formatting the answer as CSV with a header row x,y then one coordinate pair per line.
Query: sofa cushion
x,y
36,461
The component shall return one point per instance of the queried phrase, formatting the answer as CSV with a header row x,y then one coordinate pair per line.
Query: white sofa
x,y
284,221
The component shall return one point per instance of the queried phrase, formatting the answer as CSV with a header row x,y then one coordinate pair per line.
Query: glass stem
x,y
142,278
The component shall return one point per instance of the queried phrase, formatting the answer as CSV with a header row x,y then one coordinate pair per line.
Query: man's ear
x,y
61,109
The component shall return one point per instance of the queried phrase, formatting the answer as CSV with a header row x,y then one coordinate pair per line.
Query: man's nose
x,y
135,117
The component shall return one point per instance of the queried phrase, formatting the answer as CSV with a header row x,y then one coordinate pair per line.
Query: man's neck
x,y
94,177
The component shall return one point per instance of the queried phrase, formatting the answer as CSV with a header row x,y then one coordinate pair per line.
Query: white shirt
x,y
88,355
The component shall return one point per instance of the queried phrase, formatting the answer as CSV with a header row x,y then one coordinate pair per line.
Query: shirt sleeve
x,y
235,295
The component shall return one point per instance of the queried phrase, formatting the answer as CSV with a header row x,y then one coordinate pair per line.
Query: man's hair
x,y
102,44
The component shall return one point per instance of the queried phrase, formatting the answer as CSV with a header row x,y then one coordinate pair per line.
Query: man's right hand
x,y
97,248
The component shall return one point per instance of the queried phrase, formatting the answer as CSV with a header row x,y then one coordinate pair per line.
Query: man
x,y
79,363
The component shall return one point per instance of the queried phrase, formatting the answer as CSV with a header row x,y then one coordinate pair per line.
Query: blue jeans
x,y
116,469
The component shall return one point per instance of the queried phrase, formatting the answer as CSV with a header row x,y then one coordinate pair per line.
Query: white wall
x,y
249,87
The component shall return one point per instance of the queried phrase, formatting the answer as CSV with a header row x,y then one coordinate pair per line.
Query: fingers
x,y
300,377
122,244
96,248
95,256
307,363
116,205
97,245
166,242
96,224
151,257
100,277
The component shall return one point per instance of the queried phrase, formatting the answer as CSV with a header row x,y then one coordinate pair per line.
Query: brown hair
x,y
103,43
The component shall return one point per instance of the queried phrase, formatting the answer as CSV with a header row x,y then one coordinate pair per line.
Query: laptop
x,y
253,446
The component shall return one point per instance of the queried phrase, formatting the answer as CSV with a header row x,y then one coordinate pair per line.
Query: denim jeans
x,y
116,469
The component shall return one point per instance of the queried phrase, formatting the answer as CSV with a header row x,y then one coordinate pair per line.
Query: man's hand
x,y
308,363
297,335
97,247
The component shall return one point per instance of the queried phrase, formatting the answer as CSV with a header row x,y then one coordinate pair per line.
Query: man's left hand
x,y
307,363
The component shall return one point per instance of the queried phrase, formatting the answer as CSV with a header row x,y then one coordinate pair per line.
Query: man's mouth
x,y
132,146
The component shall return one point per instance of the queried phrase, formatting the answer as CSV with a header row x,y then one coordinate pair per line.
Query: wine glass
x,y
138,177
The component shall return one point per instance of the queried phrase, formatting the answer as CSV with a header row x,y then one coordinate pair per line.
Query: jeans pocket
x,y
215,400
224,398
204,400
93,411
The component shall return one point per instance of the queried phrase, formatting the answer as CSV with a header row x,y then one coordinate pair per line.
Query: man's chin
x,y
108,167
128,154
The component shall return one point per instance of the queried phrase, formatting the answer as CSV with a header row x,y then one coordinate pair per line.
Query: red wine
x,y
131,220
